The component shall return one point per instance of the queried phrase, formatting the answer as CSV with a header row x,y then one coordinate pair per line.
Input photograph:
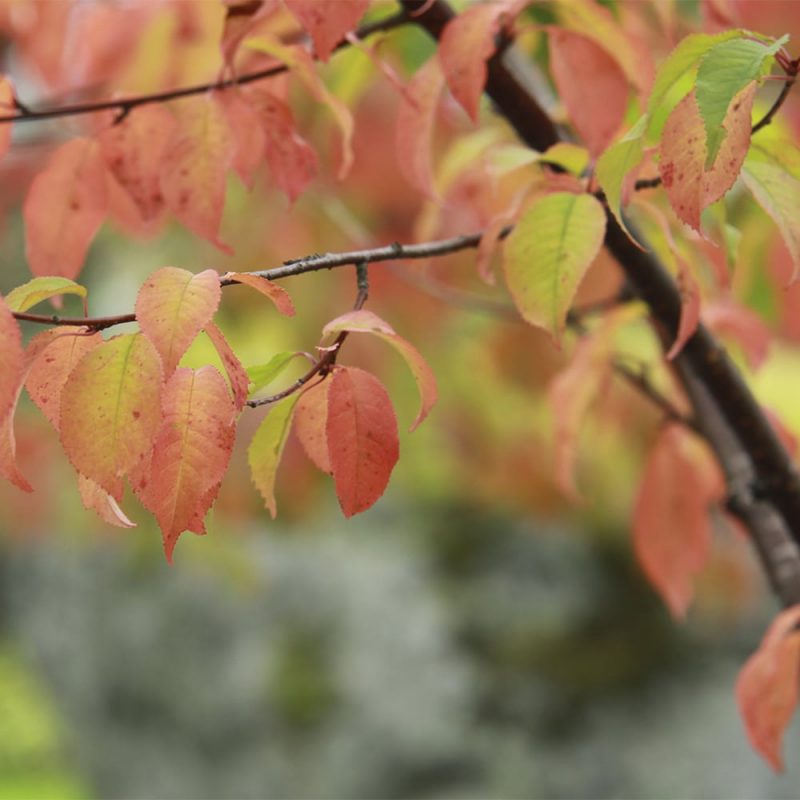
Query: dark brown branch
x,y
791,71
124,105
774,471
95,323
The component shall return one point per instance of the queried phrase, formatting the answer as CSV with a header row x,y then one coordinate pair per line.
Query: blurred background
x,y
476,633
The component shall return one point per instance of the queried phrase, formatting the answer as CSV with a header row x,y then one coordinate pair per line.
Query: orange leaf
x,y
327,21
194,166
279,296
65,206
7,106
591,85
52,356
133,151
292,161
173,306
110,410
264,453
311,424
415,120
237,375
689,186
249,138
728,318
8,454
671,526
767,687
362,438
367,322
467,43
690,308
12,360
190,454
102,503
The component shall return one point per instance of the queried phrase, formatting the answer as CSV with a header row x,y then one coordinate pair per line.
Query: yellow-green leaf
x,y
35,291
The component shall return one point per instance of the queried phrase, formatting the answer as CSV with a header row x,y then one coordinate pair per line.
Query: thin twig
x,y
126,104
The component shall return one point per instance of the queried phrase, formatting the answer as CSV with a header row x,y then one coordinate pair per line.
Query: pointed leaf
x,y
173,306
362,438
190,454
591,85
110,410
11,359
671,525
65,206
194,166
415,121
366,322
548,253
767,687
52,356
311,424
277,294
237,376
261,375
723,73
266,448
327,21
134,150
35,291
689,186
102,503
467,43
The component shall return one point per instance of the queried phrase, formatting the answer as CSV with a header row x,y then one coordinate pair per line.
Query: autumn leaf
x,y
11,359
467,43
8,452
366,322
266,448
52,356
415,122
237,377
592,86
110,410
194,166
190,452
248,134
362,438
767,687
277,294
102,503
689,186
7,106
730,319
327,21
547,254
134,153
173,306
671,524
64,208
39,289
311,424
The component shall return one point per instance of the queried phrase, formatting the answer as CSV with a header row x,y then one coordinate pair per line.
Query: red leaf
x,y
367,322
327,20
102,503
767,687
12,360
467,43
415,120
362,438
728,318
173,306
241,17
194,166
690,307
53,355
133,151
311,424
237,375
591,85
249,138
110,410
190,454
65,206
8,454
689,186
671,526
278,295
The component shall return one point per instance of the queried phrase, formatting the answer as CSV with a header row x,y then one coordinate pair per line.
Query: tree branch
x,y
126,104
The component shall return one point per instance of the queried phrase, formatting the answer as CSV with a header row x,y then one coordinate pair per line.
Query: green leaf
x,y
263,374
616,162
678,65
724,72
548,253
35,291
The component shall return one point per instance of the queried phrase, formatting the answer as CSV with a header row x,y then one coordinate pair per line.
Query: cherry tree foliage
x,y
661,129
